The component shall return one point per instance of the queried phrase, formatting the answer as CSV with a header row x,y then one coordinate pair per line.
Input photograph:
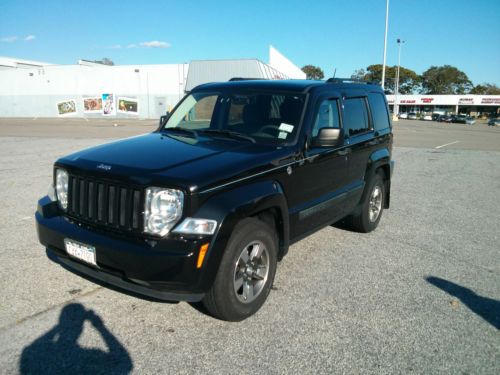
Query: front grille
x,y
105,204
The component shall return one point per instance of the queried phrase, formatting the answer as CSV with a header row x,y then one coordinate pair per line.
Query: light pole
x,y
385,41
396,105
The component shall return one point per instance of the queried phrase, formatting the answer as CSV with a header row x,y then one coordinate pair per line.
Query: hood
x,y
180,161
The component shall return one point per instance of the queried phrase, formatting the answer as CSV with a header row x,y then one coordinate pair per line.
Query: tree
x,y
104,61
359,75
445,80
313,72
486,89
409,81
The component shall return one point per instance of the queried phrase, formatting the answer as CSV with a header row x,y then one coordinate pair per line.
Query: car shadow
x,y
57,351
486,308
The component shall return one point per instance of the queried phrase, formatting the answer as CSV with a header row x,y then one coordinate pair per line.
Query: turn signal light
x,y
201,255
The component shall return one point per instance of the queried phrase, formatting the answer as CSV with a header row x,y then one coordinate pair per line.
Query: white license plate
x,y
81,251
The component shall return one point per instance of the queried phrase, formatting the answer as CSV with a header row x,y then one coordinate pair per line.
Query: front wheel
x,y
246,272
372,206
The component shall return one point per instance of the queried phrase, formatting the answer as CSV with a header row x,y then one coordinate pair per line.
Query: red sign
x,y
427,100
408,101
490,101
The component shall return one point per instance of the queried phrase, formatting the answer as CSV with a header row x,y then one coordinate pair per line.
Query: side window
x,y
355,116
327,117
379,111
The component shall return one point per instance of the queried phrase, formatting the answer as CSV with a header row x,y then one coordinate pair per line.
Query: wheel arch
x,y
264,200
380,162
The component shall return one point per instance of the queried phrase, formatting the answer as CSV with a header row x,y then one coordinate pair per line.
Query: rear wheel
x,y
246,272
368,217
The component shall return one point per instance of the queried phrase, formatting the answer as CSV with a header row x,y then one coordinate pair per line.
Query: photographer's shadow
x,y
58,351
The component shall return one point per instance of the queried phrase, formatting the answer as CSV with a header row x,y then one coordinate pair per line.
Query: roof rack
x,y
351,80
245,79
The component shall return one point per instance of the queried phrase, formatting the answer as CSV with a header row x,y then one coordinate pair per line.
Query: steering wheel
x,y
266,128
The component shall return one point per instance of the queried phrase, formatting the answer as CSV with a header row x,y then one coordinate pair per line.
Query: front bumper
x,y
163,269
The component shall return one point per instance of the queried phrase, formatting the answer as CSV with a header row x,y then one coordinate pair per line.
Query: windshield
x,y
263,117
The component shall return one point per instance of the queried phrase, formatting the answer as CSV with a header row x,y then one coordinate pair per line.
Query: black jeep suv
x,y
203,208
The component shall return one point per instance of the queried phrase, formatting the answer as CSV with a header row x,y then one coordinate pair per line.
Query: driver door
x,y
323,177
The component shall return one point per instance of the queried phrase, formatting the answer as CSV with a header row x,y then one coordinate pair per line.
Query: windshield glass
x,y
265,117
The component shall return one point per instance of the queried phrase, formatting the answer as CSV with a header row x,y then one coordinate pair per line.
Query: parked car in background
x,y
412,116
470,120
426,118
494,121
444,118
435,116
459,119
403,115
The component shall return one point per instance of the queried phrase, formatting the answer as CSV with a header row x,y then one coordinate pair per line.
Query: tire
x,y
372,206
243,282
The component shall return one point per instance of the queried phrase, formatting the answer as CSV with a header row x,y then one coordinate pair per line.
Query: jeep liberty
x,y
203,208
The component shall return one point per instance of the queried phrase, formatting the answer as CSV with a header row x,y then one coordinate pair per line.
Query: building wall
x,y
35,92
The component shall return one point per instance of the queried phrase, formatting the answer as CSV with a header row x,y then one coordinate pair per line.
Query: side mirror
x,y
327,137
164,118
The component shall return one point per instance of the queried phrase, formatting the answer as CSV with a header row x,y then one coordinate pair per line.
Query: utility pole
x,y
385,41
396,105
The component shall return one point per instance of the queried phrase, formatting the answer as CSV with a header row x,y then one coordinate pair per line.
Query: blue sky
x,y
345,35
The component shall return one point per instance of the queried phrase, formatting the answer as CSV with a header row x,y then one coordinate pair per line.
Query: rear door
x,y
358,135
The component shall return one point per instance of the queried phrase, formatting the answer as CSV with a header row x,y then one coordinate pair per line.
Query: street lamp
x,y
396,105
385,41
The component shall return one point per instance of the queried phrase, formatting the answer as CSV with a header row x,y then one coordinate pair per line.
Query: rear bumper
x,y
163,270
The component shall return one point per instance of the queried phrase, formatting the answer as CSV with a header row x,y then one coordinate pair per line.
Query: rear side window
x,y
379,111
355,116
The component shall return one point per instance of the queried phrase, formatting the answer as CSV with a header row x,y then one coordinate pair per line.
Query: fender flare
x,y
230,207
380,159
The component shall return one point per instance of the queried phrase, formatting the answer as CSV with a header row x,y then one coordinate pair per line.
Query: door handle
x,y
345,151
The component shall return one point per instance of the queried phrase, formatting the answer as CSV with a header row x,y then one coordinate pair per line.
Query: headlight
x,y
62,188
196,226
163,210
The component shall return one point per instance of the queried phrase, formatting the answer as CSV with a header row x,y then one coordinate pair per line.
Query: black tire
x,y
223,301
362,221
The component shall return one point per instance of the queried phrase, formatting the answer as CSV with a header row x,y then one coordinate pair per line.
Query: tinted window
x,y
355,116
327,117
379,111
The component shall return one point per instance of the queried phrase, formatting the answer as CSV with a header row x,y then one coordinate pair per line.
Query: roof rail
x,y
245,79
351,80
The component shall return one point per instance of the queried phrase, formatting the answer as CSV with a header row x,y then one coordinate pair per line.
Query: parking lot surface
x,y
421,294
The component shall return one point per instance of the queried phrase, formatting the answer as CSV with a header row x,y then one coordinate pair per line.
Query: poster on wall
x,y
66,107
108,105
128,105
92,105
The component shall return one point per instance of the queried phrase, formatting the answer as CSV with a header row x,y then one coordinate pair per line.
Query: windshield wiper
x,y
230,134
178,129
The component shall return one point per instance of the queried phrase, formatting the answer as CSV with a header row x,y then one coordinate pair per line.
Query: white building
x,y
469,104
37,89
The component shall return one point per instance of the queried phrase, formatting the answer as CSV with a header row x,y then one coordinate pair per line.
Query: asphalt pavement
x,y
421,294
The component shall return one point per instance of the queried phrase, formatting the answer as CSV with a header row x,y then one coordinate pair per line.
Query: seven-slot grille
x,y
104,203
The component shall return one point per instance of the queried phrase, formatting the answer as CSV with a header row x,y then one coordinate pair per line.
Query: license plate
x,y
81,251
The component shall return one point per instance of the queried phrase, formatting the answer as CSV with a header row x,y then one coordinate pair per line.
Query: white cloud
x,y
30,37
115,46
8,39
155,44
132,46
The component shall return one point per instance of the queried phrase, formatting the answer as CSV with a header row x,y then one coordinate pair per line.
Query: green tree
x,y
486,89
445,80
359,75
409,81
313,72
